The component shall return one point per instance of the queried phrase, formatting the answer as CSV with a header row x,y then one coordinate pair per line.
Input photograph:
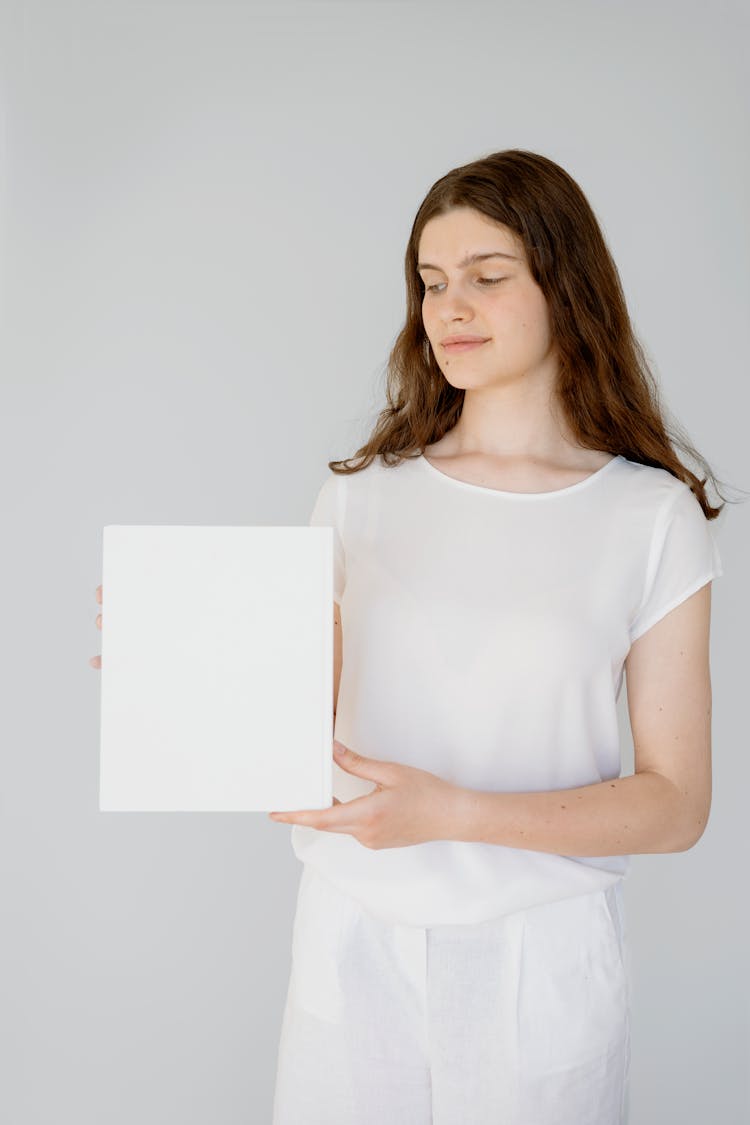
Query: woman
x,y
517,533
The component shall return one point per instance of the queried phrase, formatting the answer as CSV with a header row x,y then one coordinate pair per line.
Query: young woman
x,y
517,533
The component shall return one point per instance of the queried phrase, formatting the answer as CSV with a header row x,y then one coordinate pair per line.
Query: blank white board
x,y
217,668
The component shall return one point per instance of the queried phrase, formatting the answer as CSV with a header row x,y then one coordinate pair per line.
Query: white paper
x,y
217,668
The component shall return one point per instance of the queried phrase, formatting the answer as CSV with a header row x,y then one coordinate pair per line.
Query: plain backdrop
x,y
205,209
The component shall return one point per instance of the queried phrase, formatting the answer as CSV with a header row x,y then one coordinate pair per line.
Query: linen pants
x,y
520,1020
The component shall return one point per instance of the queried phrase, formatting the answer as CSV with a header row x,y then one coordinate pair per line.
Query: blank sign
x,y
217,668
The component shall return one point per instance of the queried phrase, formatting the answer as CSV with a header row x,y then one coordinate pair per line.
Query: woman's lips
x,y
464,347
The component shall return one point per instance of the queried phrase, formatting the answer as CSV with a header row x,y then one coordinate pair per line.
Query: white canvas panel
x,y
217,668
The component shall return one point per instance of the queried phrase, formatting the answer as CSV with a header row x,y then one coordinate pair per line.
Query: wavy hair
x,y
604,385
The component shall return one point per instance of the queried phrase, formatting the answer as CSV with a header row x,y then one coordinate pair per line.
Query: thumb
x,y
358,764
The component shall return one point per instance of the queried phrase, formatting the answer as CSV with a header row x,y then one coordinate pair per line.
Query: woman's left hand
x,y
409,806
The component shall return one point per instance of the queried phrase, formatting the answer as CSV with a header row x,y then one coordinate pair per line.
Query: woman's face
x,y
495,298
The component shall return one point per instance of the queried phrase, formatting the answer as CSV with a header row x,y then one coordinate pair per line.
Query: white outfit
x,y
484,635
519,1020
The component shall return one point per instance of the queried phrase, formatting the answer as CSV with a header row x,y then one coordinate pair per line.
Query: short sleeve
x,y
328,511
684,556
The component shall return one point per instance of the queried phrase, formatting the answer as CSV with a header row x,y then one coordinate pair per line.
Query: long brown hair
x,y
604,386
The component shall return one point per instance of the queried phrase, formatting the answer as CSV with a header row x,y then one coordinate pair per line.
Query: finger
x,y
324,820
95,661
98,620
298,812
99,594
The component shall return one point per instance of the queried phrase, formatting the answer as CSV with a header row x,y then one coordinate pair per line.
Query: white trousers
x,y
520,1020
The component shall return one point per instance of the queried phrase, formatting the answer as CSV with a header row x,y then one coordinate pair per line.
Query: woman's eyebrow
x,y
470,259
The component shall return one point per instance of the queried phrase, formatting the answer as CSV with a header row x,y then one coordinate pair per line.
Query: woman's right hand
x,y
96,661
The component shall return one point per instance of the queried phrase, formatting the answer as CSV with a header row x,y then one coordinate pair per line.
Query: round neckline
x,y
521,495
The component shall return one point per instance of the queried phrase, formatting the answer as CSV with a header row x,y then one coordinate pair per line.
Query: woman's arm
x,y
664,805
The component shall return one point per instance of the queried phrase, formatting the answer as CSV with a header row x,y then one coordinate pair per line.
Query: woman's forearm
x,y
639,813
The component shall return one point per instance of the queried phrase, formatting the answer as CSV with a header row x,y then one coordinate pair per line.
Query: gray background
x,y
205,210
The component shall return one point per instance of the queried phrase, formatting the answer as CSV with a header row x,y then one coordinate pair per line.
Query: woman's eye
x,y
482,280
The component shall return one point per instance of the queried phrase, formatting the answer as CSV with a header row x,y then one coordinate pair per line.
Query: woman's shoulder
x,y
347,486
378,466
652,479
652,492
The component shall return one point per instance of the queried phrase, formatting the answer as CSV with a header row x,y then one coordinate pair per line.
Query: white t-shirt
x,y
484,635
